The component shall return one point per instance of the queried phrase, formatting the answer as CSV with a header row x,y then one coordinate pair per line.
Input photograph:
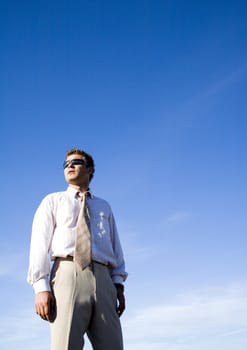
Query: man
x,y
74,298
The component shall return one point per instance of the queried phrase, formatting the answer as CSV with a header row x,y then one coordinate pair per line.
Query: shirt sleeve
x,y
118,273
39,260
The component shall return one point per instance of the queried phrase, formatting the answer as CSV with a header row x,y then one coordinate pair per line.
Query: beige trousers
x,y
85,303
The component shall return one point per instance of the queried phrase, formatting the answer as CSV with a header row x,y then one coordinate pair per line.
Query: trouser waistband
x,y
71,258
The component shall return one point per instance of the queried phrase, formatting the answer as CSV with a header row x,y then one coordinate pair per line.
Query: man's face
x,y
76,173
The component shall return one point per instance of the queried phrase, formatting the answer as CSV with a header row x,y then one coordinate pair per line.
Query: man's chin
x,y
73,181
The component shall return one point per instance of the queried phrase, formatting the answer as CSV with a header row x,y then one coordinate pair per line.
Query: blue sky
x,y
156,92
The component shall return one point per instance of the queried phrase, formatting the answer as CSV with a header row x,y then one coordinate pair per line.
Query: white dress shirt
x,y
54,232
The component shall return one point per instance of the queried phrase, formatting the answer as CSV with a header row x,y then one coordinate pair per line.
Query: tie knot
x,y
83,195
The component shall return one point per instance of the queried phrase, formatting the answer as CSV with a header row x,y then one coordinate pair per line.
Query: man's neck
x,y
80,188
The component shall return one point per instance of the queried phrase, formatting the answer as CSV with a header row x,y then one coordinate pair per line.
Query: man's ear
x,y
90,170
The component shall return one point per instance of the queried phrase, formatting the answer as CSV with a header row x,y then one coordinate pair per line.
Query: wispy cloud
x,y
178,216
23,330
9,264
12,262
190,319
229,79
235,332
198,320
218,86
135,242
206,92
139,252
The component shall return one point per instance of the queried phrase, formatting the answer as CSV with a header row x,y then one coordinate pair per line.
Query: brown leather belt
x,y
71,258
66,258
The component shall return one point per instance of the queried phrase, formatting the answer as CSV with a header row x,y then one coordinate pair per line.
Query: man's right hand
x,y
45,305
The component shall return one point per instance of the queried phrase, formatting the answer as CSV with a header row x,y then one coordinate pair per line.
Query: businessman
x,y
76,267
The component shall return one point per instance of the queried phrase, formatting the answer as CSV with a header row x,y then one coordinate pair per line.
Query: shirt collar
x,y
74,192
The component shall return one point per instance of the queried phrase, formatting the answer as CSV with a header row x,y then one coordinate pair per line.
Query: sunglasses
x,y
74,162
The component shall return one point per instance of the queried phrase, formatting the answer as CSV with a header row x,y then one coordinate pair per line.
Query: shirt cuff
x,y
117,279
41,285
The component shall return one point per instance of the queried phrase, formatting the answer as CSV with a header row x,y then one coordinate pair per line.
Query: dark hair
x,y
88,158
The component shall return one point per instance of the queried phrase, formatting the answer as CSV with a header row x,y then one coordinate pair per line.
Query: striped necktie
x,y
82,254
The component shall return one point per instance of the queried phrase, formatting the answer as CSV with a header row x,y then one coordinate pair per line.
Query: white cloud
x,y
218,86
9,264
196,318
135,246
178,216
235,332
213,318
23,330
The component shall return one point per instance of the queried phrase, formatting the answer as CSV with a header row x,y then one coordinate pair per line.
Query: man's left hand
x,y
121,300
